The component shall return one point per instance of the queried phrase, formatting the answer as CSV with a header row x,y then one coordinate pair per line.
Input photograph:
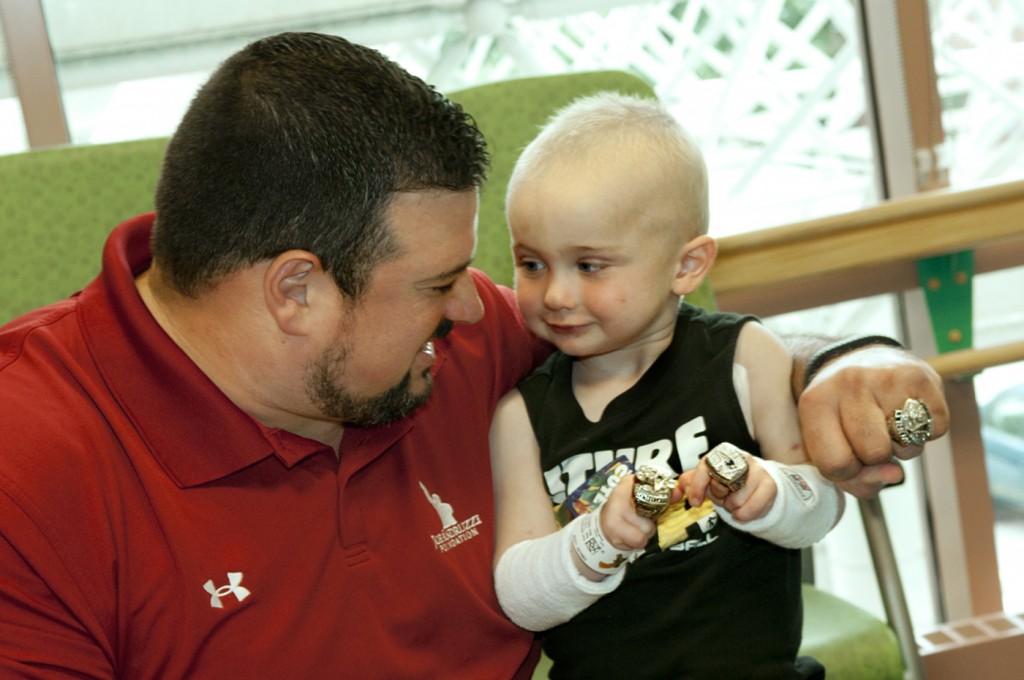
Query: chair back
x,y
57,206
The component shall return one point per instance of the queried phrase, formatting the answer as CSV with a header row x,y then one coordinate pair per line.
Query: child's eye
x,y
590,267
531,266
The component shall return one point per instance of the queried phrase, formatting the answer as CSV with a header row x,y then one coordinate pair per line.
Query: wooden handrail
x,y
964,363
867,252
873,251
923,225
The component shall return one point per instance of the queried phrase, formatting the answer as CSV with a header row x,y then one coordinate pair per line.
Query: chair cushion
x,y
851,643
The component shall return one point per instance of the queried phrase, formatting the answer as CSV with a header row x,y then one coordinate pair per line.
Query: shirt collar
x,y
192,429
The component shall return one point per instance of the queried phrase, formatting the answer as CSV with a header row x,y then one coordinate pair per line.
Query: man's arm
x,y
844,408
42,635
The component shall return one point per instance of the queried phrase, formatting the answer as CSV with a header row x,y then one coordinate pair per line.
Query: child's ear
x,y
695,261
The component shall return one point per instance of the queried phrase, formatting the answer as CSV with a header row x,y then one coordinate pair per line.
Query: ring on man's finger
x,y
911,424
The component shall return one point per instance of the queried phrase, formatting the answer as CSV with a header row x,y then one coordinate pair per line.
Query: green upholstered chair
x,y
58,205
851,643
56,208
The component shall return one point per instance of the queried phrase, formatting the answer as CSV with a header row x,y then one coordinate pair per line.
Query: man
x,y
255,445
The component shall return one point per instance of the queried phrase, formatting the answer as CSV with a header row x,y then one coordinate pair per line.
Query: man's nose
x,y
465,305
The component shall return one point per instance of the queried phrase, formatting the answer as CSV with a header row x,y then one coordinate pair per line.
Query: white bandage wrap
x,y
539,586
806,507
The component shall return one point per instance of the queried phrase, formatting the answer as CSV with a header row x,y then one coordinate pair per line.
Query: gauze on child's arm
x,y
538,584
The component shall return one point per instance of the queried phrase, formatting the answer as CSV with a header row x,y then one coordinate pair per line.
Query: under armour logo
x,y
233,588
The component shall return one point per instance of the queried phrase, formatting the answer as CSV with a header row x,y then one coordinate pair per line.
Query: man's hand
x,y
843,415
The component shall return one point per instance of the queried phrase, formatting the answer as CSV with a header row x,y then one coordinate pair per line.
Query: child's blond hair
x,y
639,131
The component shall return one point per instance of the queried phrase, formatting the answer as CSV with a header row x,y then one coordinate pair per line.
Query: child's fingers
x,y
752,501
630,530
682,482
697,489
719,492
620,521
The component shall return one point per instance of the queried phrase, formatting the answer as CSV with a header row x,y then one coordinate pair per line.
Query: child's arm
x,y
785,500
540,576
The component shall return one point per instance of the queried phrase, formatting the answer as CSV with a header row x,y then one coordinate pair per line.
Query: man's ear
x,y
695,261
289,288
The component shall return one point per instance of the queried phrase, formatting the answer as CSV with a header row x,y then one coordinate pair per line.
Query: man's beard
x,y
337,403
394,403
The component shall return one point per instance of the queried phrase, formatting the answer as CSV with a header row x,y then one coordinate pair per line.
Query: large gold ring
x,y
652,490
727,465
911,424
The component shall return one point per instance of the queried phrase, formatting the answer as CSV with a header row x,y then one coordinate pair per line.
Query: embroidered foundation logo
x,y
453,532
234,587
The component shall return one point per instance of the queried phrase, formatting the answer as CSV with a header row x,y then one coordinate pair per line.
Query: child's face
x,y
596,256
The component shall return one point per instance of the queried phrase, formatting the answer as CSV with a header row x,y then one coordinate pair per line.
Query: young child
x,y
608,212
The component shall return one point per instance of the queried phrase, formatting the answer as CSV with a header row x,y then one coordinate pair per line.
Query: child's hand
x,y
621,524
751,502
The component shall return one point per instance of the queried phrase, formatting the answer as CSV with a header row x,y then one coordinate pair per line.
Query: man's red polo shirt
x,y
150,529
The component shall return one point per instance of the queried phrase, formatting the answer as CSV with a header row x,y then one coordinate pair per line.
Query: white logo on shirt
x,y
445,513
453,532
234,587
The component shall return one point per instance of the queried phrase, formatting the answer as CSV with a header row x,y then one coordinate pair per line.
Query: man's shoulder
x,y
44,323
44,368
46,404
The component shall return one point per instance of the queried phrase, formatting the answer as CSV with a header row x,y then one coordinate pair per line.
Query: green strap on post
x,y
947,282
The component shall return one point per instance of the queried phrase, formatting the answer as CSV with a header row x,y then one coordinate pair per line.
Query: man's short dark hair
x,y
299,141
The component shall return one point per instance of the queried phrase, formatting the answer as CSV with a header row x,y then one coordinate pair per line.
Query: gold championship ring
x,y
652,489
727,464
911,424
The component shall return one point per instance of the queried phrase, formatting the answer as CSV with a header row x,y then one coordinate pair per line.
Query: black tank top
x,y
720,604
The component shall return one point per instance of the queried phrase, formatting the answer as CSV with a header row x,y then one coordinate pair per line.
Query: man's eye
x,y
446,288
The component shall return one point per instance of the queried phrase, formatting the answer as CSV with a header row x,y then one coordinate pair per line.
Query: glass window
x,y
13,136
776,99
1001,408
774,96
978,48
